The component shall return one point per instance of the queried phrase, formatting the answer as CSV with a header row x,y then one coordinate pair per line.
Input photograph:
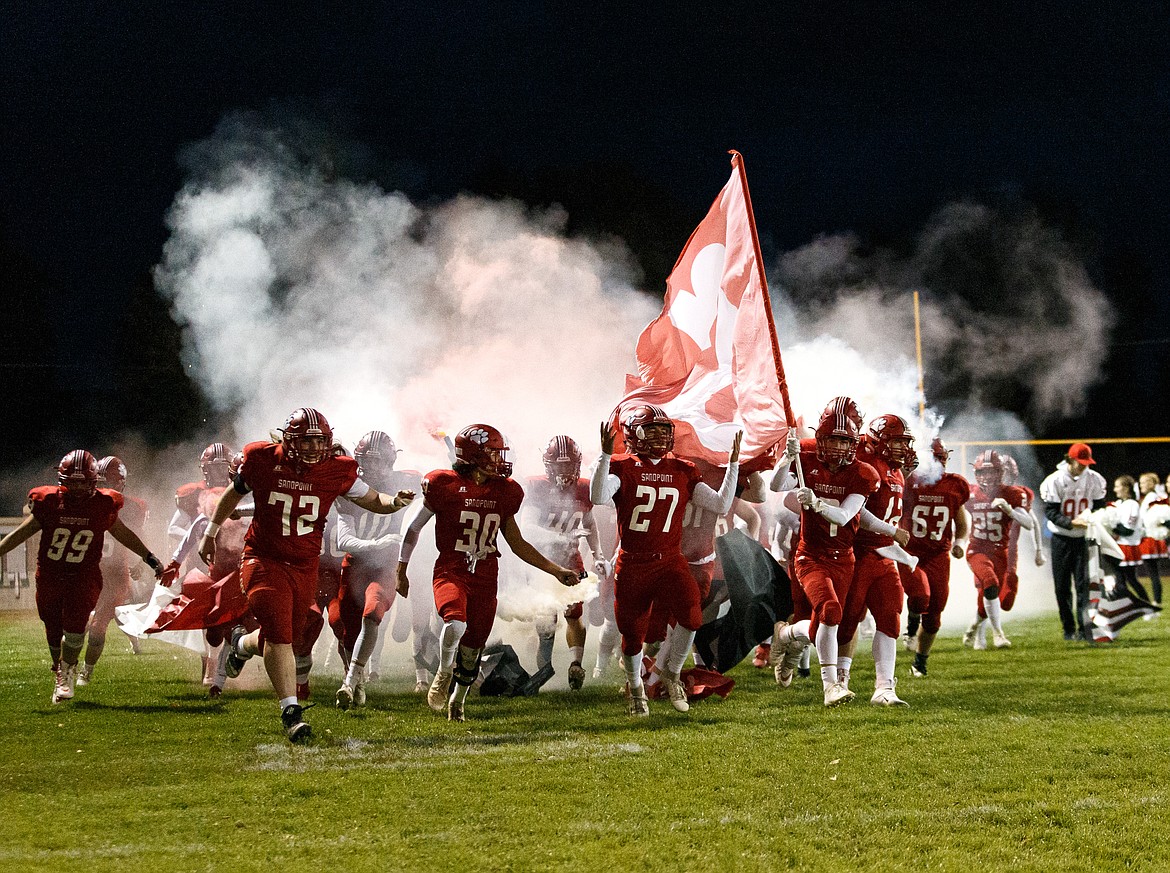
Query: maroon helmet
x,y
111,473
237,461
485,448
214,463
939,451
375,453
562,461
911,462
838,432
989,470
306,436
891,438
1011,470
77,473
648,430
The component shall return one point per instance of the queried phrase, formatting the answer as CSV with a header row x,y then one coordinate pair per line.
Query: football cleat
x,y
344,697
214,692
918,668
236,659
639,704
887,697
576,676
359,693
421,686
969,635
86,675
1000,639
302,691
804,672
295,727
676,692
911,643
455,711
762,656
980,641
837,694
440,691
66,678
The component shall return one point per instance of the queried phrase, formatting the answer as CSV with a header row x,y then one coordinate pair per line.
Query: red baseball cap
x,y
1081,453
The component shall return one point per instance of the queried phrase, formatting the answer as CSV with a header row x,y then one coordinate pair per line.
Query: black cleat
x,y
295,726
235,660
803,672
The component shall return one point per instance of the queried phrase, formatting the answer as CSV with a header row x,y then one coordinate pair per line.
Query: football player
x,y
935,515
295,482
651,490
117,581
876,585
214,462
73,516
835,490
557,506
993,507
371,545
471,503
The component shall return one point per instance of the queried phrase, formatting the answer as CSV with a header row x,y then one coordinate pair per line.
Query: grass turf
x,y
1047,756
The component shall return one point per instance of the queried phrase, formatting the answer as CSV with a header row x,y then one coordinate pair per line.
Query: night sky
x,y
864,117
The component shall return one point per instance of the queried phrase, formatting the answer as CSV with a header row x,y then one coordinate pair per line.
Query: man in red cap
x,y
1067,493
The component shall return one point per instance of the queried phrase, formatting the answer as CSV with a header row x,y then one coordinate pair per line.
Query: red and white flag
x,y
711,359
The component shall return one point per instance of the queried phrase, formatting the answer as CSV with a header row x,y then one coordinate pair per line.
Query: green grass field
x,y
1048,756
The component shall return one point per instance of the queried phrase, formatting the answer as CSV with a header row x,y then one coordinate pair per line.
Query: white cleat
x,y
359,693
836,694
969,635
676,693
85,676
639,704
66,678
911,643
344,698
421,686
440,691
887,697
789,661
980,643
1000,639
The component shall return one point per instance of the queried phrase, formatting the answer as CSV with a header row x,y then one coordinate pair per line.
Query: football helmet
x,y
1011,470
911,462
891,438
838,433
111,473
562,461
214,463
306,436
485,448
989,471
648,430
375,453
939,451
77,473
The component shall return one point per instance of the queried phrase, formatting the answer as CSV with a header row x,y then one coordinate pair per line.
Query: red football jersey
x,y
885,503
990,526
652,502
816,532
468,517
73,531
929,510
561,511
292,502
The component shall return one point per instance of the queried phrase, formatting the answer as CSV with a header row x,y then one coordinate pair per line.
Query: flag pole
x,y
737,163
921,383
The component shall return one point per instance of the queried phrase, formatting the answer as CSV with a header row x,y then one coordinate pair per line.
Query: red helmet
x,y
302,425
911,462
77,473
214,463
939,451
891,438
840,421
989,470
485,448
562,461
111,473
375,453
1011,470
648,430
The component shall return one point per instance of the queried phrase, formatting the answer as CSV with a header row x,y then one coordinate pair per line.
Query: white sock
x,y
826,644
994,614
681,641
363,648
287,701
632,664
607,645
885,653
576,653
460,692
449,639
844,665
799,631
544,649
422,674
806,658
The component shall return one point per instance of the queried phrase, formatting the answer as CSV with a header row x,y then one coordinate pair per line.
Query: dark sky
x,y
851,116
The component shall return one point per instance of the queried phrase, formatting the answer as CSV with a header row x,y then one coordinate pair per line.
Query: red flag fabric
x,y
203,604
709,359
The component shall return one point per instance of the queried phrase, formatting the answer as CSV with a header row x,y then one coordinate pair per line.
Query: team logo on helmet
x,y
485,448
648,430
892,439
111,473
77,473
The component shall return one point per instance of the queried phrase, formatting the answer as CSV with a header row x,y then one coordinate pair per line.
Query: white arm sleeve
x,y
180,524
602,484
410,537
349,541
718,501
871,522
191,538
1022,517
843,514
359,489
